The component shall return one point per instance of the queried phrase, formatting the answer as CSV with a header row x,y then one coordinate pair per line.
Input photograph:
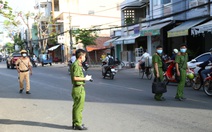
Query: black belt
x,y
79,85
24,70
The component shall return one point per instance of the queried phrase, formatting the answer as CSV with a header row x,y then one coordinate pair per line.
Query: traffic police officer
x,y
157,63
181,66
78,91
23,66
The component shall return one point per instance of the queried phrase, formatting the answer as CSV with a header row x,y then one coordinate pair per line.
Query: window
x,y
56,5
129,16
166,1
156,2
203,58
193,3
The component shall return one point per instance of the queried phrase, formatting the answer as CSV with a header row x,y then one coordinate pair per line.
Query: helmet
x,y
108,54
190,75
175,51
23,51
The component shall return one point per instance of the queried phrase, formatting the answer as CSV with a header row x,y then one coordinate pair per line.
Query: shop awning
x,y
53,47
206,27
119,41
183,29
131,39
153,30
107,43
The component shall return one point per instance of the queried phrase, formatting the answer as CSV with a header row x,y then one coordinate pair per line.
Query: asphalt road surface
x,y
124,104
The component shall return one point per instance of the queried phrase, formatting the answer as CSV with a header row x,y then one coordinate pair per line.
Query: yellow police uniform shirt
x,y
23,64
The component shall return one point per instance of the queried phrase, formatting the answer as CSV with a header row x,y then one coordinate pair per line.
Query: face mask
x,y
24,55
159,51
183,50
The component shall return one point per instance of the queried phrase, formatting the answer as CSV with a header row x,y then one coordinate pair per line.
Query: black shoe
x,y
80,128
21,91
27,92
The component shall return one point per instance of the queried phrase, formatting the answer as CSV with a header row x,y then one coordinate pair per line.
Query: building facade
x,y
170,23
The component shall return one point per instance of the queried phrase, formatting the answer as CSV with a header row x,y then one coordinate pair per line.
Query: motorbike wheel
x,y
149,74
141,73
197,83
165,80
111,76
207,87
188,83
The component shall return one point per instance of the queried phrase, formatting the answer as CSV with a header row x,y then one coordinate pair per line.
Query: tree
x,y
87,37
6,11
18,41
9,47
43,28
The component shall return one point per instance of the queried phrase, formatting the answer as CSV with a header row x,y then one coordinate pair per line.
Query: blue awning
x,y
107,43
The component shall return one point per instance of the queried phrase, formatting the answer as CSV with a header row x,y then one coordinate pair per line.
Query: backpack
x,y
111,61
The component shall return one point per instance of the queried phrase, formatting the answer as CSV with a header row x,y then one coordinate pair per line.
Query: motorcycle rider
x,y
142,60
106,62
174,53
205,63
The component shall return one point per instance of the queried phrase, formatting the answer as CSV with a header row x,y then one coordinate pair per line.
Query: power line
x,y
178,2
100,29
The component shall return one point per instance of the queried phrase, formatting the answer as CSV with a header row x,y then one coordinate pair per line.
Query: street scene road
x,y
124,104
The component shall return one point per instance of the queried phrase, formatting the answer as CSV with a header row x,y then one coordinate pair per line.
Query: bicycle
x,y
147,71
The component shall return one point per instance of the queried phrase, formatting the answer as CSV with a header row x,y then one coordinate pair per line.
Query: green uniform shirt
x,y
76,71
157,59
182,61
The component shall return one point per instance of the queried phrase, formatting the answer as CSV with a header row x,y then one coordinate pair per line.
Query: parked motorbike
x,y
169,75
34,63
207,86
198,81
108,71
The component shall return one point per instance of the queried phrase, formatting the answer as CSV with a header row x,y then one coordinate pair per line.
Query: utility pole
x,y
70,34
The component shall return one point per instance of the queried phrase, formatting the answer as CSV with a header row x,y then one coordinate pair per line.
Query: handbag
x,y
158,87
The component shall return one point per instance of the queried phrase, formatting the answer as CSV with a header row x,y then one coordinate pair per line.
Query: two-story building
x,y
170,23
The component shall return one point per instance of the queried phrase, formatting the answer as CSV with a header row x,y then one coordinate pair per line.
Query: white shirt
x,y
143,57
73,58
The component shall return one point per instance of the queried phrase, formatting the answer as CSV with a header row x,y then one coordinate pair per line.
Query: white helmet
x,y
175,51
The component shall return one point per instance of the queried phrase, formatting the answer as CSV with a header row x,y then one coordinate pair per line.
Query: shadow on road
x,y
33,123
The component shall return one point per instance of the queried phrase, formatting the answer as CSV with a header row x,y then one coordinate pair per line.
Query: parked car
x,y
198,60
11,60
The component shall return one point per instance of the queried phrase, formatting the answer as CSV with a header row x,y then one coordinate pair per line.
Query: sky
x,y
20,5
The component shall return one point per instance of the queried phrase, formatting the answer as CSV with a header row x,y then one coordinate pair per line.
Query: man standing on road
x,y
23,66
157,63
181,66
78,91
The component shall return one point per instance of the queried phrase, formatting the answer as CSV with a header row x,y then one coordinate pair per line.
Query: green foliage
x,y
128,21
53,38
9,47
86,37
7,11
18,41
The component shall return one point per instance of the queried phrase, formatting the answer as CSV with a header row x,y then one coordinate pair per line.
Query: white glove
x,y
88,77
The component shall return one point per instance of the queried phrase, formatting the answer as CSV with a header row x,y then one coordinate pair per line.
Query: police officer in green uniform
x,y
157,63
78,91
181,66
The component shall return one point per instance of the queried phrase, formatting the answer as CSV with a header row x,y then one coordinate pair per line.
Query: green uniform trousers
x,y
181,84
78,95
158,96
